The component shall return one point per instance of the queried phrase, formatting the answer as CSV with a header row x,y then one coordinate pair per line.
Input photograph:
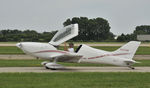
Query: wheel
x,y
44,63
50,68
131,67
47,67
53,68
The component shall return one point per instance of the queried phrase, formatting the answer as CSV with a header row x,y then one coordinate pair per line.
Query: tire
x,y
47,67
53,68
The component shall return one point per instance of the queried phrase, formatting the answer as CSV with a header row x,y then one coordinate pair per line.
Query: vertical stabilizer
x,y
128,50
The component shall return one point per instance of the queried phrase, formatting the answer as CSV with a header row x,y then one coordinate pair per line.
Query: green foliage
x,y
27,35
96,29
143,29
126,38
75,80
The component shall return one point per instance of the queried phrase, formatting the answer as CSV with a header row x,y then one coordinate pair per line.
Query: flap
x,y
65,34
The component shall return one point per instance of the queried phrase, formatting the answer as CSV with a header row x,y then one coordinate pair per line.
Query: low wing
x,y
71,57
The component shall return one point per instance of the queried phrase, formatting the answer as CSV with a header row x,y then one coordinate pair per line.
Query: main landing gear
x,y
131,67
52,65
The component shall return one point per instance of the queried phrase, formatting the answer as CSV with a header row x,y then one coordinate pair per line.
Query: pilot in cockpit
x,y
71,47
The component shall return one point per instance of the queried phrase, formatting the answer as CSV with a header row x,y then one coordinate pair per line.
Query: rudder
x,y
128,50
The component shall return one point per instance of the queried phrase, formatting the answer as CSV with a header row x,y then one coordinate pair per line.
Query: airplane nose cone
x,y
18,45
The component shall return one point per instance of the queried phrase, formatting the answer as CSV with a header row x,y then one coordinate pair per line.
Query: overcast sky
x,y
47,15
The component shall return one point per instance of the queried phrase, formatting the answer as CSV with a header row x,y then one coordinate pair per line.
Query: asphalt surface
x,y
74,69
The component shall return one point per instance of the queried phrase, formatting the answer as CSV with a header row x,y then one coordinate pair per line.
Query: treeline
x,y
139,30
97,29
27,35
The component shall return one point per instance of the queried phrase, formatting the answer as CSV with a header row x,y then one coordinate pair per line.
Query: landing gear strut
x,y
52,65
130,65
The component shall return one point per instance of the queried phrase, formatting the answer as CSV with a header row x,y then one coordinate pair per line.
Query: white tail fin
x,y
128,50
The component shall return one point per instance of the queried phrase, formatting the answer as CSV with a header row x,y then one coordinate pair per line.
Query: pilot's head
x,y
71,45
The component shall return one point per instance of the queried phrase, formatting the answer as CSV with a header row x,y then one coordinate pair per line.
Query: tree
x,y
27,35
96,29
143,29
126,38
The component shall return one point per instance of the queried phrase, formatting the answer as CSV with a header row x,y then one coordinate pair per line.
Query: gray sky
x,y
48,15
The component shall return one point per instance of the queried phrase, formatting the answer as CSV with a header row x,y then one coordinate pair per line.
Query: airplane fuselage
x,y
46,50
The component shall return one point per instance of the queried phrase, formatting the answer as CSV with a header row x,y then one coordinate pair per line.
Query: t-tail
x,y
128,50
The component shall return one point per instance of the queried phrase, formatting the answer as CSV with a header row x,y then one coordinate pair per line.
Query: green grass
x,y
10,50
143,50
37,63
75,80
8,42
20,63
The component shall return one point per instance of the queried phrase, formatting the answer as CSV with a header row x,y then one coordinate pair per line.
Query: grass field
x,y
37,63
10,50
14,50
75,80
8,42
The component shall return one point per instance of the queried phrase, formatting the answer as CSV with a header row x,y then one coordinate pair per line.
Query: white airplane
x,y
121,57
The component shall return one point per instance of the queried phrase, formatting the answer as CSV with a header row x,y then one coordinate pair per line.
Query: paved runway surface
x,y
74,69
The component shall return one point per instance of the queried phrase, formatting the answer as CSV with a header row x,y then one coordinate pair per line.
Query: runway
x,y
73,69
